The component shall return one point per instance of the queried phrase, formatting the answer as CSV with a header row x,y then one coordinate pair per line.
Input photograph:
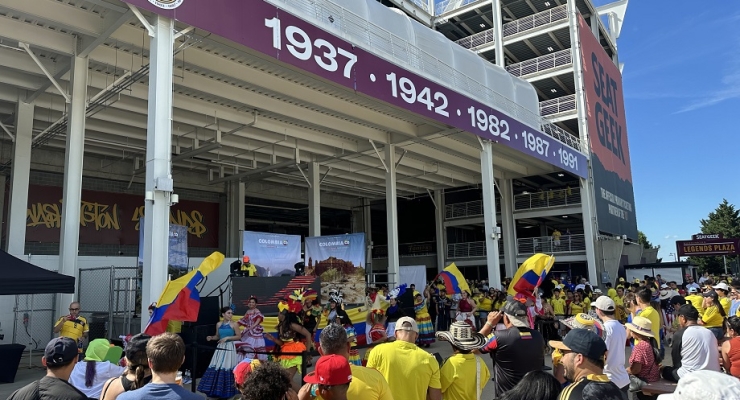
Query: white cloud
x,y
728,89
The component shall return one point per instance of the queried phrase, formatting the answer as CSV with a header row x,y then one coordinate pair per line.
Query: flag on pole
x,y
180,300
453,280
530,275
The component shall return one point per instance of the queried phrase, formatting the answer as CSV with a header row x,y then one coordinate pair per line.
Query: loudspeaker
x,y
196,332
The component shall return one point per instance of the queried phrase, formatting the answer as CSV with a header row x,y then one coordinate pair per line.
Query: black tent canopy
x,y
21,277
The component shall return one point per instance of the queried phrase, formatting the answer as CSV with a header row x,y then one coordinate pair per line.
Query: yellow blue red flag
x,y
180,300
453,280
530,275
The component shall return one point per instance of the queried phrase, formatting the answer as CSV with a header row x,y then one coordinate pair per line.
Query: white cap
x,y
597,290
604,303
705,385
722,286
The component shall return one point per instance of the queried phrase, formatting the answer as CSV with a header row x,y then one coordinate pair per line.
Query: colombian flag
x,y
180,300
530,275
453,280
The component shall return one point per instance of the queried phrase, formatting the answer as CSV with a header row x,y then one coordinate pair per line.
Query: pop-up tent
x,y
21,277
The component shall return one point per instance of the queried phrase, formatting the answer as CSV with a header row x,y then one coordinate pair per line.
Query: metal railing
x,y
456,251
543,63
558,105
467,209
333,17
549,245
407,249
515,27
547,199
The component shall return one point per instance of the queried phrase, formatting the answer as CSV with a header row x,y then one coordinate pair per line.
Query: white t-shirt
x,y
104,370
698,350
616,337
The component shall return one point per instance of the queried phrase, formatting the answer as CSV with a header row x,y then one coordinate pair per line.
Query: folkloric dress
x,y
218,380
252,336
424,322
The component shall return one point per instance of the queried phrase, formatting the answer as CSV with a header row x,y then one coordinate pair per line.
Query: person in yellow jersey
x,y
621,311
247,267
485,305
463,375
610,291
643,297
558,308
696,299
722,290
577,306
714,314
411,373
73,325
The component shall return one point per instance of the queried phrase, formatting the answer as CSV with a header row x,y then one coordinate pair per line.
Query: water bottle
x,y
186,377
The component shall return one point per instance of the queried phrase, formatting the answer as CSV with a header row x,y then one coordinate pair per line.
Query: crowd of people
x,y
606,344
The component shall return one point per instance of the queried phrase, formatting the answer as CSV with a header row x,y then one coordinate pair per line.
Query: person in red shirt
x,y
645,359
731,347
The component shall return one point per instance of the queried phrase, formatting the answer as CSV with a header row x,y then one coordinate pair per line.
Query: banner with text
x,y
273,254
113,218
607,132
713,246
177,255
339,261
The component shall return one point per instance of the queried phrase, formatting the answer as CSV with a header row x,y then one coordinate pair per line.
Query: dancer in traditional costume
x,y
394,310
376,320
252,338
311,317
465,308
218,380
423,320
290,332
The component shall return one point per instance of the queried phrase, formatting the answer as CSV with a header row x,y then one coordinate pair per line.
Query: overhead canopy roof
x,y
264,112
21,277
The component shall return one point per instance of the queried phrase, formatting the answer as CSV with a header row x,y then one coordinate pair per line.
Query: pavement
x,y
30,371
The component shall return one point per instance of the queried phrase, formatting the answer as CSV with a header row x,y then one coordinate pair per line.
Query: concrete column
x,y
508,227
159,184
314,200
498,29
21,170
235,217
489,214
391,210
72,193
440,230
595,24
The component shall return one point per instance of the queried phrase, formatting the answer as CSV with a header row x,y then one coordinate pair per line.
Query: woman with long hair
x,y
644,363
714,314
252,337
290,333
731,347
218,380
137,373
90,374
577,306
465,308
535,385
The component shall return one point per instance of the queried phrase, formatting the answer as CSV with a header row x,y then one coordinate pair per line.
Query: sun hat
x,y
97,350
462,336
413,327
582,341
640,325
331,370
585,321
604,303
59,351
705,385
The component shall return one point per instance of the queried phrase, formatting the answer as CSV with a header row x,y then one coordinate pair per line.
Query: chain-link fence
x,y
34,321
109,297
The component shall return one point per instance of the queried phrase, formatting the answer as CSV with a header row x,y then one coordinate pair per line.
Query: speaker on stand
x,y
199,351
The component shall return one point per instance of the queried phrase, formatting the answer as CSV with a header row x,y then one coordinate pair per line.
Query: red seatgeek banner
x,y
607,132
113,218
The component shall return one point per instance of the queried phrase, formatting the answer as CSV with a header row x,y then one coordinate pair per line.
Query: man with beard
x,y
583,359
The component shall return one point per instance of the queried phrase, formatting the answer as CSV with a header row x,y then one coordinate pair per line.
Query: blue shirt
x,y
160,391
733,308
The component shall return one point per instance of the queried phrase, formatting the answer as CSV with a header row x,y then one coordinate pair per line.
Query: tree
x,y
725,220
643,240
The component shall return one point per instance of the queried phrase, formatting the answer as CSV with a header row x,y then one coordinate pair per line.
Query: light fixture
x,y
561,175
554,90
525,192
482,25
549,48
565,216
547,4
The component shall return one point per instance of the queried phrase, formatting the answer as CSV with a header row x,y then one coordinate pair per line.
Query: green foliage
x,y
643,240
331,275
725,220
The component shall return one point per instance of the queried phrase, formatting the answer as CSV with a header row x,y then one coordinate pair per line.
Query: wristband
x,y
490,324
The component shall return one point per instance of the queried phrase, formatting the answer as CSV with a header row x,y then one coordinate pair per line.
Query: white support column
x,y
498,37
367,226
158,163
489,214
72,193
314,200
595,24
235,217
588,207
508,227
21,170
391,211
441,232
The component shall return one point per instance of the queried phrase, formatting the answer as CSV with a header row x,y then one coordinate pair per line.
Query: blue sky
x,y
682,93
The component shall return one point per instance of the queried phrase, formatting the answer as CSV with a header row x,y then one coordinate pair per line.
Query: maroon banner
x,y
707,247
607,132
113,218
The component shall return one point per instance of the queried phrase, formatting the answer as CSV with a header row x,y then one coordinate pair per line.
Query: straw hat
x,y
641,326
462,336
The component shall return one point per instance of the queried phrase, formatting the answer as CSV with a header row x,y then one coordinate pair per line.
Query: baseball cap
x,y
711,294
136,346
604,303
331,370
693,289
722,286
705,385
582,341
514,308
60,351
403,320
689,312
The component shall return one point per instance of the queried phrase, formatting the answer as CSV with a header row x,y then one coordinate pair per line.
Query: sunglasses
x,y
74,309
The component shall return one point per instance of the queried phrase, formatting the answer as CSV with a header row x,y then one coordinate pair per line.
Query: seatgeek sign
x,y
703,244
282,36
